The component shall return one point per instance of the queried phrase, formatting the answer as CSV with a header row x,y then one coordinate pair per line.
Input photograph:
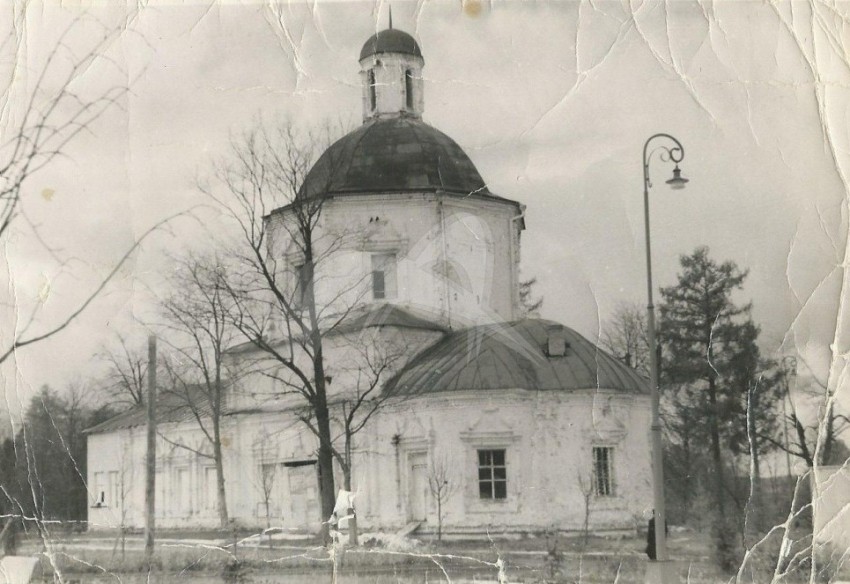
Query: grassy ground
x,y
532,559
195,557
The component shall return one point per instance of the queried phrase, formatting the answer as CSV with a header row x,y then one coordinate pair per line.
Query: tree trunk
x,y
724,546
320,399
223,518
439,518
801,440
352,521
326,465
755,514
716,455
150,455
686,448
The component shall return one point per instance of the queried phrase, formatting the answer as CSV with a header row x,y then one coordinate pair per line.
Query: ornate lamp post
x,y
657,570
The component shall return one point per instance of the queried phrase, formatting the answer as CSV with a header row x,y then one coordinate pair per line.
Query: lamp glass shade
x,y
677,182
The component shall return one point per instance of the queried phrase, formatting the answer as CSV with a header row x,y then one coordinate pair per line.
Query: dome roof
x,y
393,155
390,40
513,356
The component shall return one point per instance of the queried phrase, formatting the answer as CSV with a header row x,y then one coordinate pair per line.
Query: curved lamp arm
x,y
674,154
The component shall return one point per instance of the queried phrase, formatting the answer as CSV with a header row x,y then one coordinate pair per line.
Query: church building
x,y
497,422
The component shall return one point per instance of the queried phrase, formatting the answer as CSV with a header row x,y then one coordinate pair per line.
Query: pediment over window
x,y
607,421
488,428
297,447
265,447
414,434
380,236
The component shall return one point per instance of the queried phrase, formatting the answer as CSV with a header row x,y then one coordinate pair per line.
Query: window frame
x,y
373,94
210,488
604,486
488,463
408,89
379,261
101,487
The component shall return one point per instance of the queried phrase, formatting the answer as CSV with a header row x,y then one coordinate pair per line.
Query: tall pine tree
x,y
713,365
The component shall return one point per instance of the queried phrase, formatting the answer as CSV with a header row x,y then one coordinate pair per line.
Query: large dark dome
x,y
393,155
390,41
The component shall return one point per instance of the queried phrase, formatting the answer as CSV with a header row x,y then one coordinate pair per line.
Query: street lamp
x,y
657,569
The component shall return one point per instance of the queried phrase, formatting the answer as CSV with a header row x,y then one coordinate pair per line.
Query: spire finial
x,y
391,16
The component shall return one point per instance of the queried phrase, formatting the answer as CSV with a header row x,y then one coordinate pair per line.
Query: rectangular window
x,y
492,474
408,88
372,95
182,492
210,489
99,489
384,284
603,471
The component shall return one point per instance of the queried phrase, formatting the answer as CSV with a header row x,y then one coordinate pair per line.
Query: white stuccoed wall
x,y
478,240
548,437
391,98
123,453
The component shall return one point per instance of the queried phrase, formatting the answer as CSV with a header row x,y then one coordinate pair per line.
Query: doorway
x,y
304,496
417,486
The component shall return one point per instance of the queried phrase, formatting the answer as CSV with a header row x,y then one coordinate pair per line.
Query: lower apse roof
x,y
513,356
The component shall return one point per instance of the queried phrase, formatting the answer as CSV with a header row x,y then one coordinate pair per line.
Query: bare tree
x,y
262,186
124,383
53,115
268,477
372,357
442,486
197,314
125,484
816,437
267,474
624,335
586,487
529,304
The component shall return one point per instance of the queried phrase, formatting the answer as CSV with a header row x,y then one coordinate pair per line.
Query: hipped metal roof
x,y
513,356
509,355
170,408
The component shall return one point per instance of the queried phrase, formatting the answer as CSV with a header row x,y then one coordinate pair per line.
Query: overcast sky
x,y
552,101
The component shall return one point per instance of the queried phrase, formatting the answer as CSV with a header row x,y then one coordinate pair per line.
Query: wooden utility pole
x,y
150,467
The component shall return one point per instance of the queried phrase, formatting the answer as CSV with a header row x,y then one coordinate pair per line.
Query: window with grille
x,y
603,471
384,284
492,474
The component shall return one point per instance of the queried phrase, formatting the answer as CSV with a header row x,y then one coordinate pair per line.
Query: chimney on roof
x,y
557,343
